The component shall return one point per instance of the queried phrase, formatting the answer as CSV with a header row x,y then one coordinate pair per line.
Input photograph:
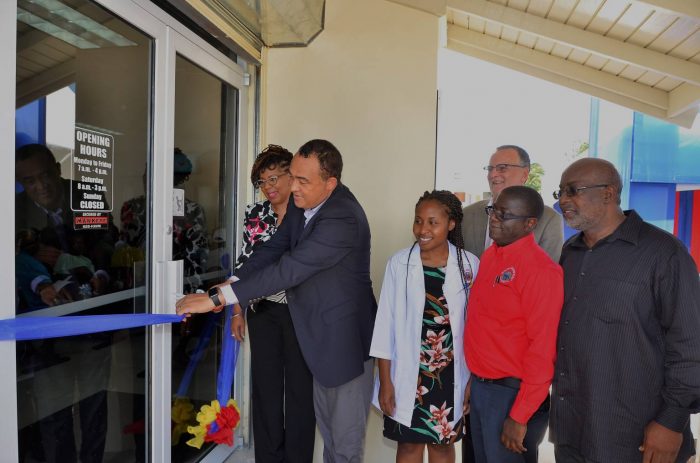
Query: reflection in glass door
x,y
205,134
81,247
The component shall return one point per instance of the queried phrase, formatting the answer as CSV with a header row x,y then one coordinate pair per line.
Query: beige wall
x,y
368,84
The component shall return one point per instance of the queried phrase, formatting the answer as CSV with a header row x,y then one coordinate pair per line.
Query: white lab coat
x,y
397,330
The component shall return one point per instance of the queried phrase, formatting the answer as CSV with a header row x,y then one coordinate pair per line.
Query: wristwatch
x,y
213,294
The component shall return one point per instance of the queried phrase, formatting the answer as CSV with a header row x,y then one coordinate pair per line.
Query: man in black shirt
x,y
627,375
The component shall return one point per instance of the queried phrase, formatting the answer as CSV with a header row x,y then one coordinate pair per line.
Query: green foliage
x,y
534,180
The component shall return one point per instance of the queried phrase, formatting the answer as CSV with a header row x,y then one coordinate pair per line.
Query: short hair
x,y
611,176
604,171
269,158
522,154
34,149
531,199
328,157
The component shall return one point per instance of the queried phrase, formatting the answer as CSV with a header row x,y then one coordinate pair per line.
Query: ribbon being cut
x,y
215,423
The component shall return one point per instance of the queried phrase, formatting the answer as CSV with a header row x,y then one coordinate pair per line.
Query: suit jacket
x,y
324,268
549,233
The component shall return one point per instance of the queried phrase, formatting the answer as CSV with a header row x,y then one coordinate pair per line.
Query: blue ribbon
x,y
227,364
25,329
197,355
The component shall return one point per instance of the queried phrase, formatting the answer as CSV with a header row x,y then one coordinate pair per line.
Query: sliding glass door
x,y
127,130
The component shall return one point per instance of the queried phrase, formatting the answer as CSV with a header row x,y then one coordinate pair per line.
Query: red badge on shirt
x,y
506,276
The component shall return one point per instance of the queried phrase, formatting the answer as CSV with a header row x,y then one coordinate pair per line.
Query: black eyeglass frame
x,y
502,217
572,191
501,168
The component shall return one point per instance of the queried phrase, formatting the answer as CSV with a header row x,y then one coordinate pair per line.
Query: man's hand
x,y
194,303
387,398
467,397
513,435
238,323
661,444
50,296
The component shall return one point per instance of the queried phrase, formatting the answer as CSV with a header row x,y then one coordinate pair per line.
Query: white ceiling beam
x,y
682,98
581,39
682,7
566,69
685,120
45,82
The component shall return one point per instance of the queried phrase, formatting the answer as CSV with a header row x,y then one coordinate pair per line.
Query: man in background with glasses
x,y
627,374
511,331
509,166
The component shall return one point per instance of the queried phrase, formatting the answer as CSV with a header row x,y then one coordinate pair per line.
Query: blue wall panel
x,y
662,153
654,202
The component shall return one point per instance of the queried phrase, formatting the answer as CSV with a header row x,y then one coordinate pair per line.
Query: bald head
x,y
590,198
599,171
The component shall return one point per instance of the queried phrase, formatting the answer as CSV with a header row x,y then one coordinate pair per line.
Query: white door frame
x,y
8,380
171,38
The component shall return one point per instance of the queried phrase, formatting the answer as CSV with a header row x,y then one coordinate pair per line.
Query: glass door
x,y
83,140
127,128
206,132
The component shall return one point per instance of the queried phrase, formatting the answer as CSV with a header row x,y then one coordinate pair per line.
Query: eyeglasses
x,y
271,181
501,168
502,216
572,191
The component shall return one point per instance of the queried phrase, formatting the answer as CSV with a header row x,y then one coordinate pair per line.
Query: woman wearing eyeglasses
x,y
282,383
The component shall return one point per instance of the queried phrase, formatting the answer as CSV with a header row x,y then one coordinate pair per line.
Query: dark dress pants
x,y
284,424
496,401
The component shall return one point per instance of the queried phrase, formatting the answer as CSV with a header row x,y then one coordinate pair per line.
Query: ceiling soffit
x,y
642,54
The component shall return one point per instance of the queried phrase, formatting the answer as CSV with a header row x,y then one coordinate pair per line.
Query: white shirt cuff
x,y
39,280
228,294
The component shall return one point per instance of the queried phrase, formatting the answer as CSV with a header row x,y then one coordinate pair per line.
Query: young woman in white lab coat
x,y
418,334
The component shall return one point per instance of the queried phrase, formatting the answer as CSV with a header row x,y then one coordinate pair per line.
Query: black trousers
x,y
284,424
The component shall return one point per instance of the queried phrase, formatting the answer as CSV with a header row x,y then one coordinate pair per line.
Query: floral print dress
x,y
434,408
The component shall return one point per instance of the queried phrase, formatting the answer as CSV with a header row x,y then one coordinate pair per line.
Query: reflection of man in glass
x,y
55,264
78,257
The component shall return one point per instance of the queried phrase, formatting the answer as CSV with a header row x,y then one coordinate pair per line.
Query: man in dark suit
x,y
509,166
43,212
320,255
43,209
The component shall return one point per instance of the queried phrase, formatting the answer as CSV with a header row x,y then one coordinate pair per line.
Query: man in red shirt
x,y
511,332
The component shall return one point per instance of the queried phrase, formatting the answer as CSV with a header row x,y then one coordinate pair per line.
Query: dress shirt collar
x,y
628,231
515,247
309,213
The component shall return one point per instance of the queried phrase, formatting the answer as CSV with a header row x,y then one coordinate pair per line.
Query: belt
x,y
263,305
513,383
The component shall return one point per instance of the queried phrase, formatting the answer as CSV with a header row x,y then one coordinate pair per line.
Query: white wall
x,y
483,106
368,84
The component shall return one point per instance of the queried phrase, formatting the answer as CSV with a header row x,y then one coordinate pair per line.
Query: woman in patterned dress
x,y
283,412
418,334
